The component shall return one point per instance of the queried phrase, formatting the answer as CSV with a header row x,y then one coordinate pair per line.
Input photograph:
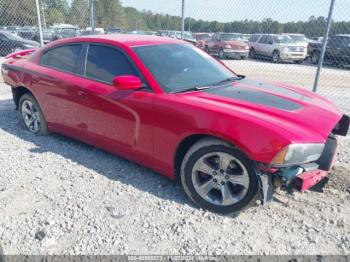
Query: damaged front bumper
x,y
306,176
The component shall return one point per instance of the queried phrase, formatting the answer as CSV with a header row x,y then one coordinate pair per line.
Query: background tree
x,y
20,13
109,13
55,11
79,14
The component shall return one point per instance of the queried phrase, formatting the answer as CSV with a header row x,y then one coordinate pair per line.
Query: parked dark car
x,y
30,33
10,43
337,51
49,35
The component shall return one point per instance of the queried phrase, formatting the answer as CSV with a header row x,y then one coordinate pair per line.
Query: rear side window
x,y
64,58
103,63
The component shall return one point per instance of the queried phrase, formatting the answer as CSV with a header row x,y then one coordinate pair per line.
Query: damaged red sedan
x,y
173,108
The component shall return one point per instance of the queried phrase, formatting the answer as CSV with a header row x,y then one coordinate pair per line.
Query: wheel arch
x,y
187,142
19,91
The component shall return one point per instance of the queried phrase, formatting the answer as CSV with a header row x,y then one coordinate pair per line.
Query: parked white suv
x,y
277,47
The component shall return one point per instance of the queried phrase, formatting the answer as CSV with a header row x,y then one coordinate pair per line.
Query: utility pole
x,y
183,19
92,19
39,22
324,45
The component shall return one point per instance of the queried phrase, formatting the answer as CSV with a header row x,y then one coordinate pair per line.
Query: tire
x,y
276,57
315,57
239,169
252,53
31,115
222,54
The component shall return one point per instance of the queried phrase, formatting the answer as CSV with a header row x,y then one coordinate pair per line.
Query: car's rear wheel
x,y
252,53
31,115
218,177
315,56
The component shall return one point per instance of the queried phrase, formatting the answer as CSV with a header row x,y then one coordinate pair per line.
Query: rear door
x,y
260,46
55,84
269,46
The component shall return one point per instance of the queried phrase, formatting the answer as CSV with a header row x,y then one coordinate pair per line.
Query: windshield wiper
x,y
193,88
229,79
197,88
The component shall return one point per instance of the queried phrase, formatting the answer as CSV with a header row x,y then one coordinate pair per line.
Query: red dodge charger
x,y
169,106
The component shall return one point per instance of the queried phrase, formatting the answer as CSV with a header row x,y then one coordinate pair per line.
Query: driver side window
x,y
263,39
103,63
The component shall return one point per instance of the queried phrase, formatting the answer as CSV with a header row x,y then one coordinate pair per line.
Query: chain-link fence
x,y
269,40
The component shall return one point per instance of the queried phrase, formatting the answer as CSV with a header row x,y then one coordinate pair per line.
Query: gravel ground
x,y
59,196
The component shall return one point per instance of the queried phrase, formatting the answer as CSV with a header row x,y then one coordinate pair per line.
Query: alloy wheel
x,y
275,57
220,178
30,115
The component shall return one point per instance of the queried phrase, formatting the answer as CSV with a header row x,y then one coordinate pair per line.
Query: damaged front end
x,y
302,176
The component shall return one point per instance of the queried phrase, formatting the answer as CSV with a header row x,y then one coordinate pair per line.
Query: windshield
x,y
282,39
298,38
47,31
227,37
203,37
181,66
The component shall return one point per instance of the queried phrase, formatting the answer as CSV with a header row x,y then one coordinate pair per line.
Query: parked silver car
x,y
277,47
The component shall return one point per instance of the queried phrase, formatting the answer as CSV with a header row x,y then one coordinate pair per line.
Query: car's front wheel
x,y
276,57
222,54
218,177
31,115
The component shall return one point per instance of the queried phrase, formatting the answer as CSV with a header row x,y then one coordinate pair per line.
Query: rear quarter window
x,y
64,58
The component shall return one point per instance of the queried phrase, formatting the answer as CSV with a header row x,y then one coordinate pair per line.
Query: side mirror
x,y
270,42
127,82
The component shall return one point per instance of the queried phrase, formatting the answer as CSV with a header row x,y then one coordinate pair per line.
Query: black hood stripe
x,y
276,89
254,96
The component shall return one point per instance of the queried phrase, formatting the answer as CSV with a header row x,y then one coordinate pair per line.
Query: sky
x,y
233,10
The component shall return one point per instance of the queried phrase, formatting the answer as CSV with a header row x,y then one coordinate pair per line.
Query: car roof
x,y
126,39
343,35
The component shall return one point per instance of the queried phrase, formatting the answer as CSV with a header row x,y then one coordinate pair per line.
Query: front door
x,y
120,121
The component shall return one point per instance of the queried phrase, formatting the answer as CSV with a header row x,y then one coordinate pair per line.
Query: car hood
x,y
307,116
295,44
235,43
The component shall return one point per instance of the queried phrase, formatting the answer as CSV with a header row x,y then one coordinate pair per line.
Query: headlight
x,y
28,46
285,49
295,154
228,46
246,47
